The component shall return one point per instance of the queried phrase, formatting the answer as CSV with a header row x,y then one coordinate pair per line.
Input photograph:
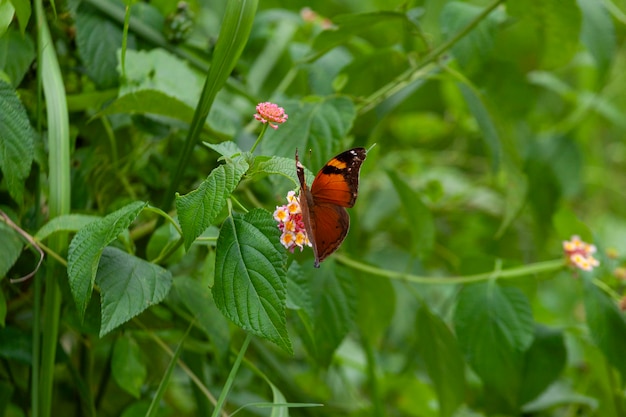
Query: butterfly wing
x,y
330,224
338,181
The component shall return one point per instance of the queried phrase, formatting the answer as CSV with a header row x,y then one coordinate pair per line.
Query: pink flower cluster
x,y
270,113
580,254
289,218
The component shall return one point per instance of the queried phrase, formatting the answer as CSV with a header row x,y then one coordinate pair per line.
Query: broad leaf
x,y
315,124
151,102
128,286
65,223
250,269
494,326
87,246
516,192
6,15
11,245
598,32
16,141
376,305
419,218
98,40
567,224
127,365
444,361
607,326
227,148
555,24
17,53
543,362
23,12
198,209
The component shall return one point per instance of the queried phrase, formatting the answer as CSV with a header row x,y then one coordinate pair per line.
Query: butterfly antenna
x,y
371,147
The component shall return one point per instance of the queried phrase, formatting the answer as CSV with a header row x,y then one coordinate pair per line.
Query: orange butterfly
x,y
334,187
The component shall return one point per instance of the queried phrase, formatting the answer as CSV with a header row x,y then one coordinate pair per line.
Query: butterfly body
x,y
323,206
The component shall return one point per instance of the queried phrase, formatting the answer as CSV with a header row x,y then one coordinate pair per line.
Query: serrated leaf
x,y
315,124
128,286
298,291
555,23
443,359
250,270
198,209
65,223
607,326
419,217
494,326
333,295
127,365
543,362
23,12
150,102
17,53
98,40
478,43
11,245
227,148
278,165
87,246
16,141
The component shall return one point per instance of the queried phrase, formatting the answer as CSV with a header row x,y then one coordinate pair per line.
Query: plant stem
x,y
231,377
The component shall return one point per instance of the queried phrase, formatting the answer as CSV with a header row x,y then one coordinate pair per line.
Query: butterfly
x,y
323,205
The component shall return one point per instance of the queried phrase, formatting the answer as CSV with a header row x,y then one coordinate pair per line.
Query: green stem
x,y
517,271
258,140
231,377
379,410
420,69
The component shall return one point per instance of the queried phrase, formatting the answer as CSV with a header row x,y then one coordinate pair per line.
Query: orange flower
x,y
270,113
580,254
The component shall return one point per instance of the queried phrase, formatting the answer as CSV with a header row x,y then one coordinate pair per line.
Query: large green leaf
x,y
150,102
11,245
443,358
494,326
250,269
376,305
6,15
128,365
543,363
315,124
128,286
476,45
420,220
607,325
17,53
555,24
598,32
198,209
65,223
16,141
23,12
98,40
87,246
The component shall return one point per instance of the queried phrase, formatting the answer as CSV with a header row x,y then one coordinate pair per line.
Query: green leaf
x,y
6,15
567,224
87,246
277,165
598,33
198,209
315,124
150,102
11,245
128,286
516,192
494,326
16,141
65,223
3,309
250,270
349,25
227,148
376,305
477,44
17,53
16,345
333,295
554,23
23,12
98,40
543,363
487,127
607,326
418,216
298,291
127,365
443,359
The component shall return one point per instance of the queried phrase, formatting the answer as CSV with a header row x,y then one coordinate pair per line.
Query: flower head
x,y
270,113
290,223
580,254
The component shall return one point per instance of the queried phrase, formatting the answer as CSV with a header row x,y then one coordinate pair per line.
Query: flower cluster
x,y
580,254
289,218
270,113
